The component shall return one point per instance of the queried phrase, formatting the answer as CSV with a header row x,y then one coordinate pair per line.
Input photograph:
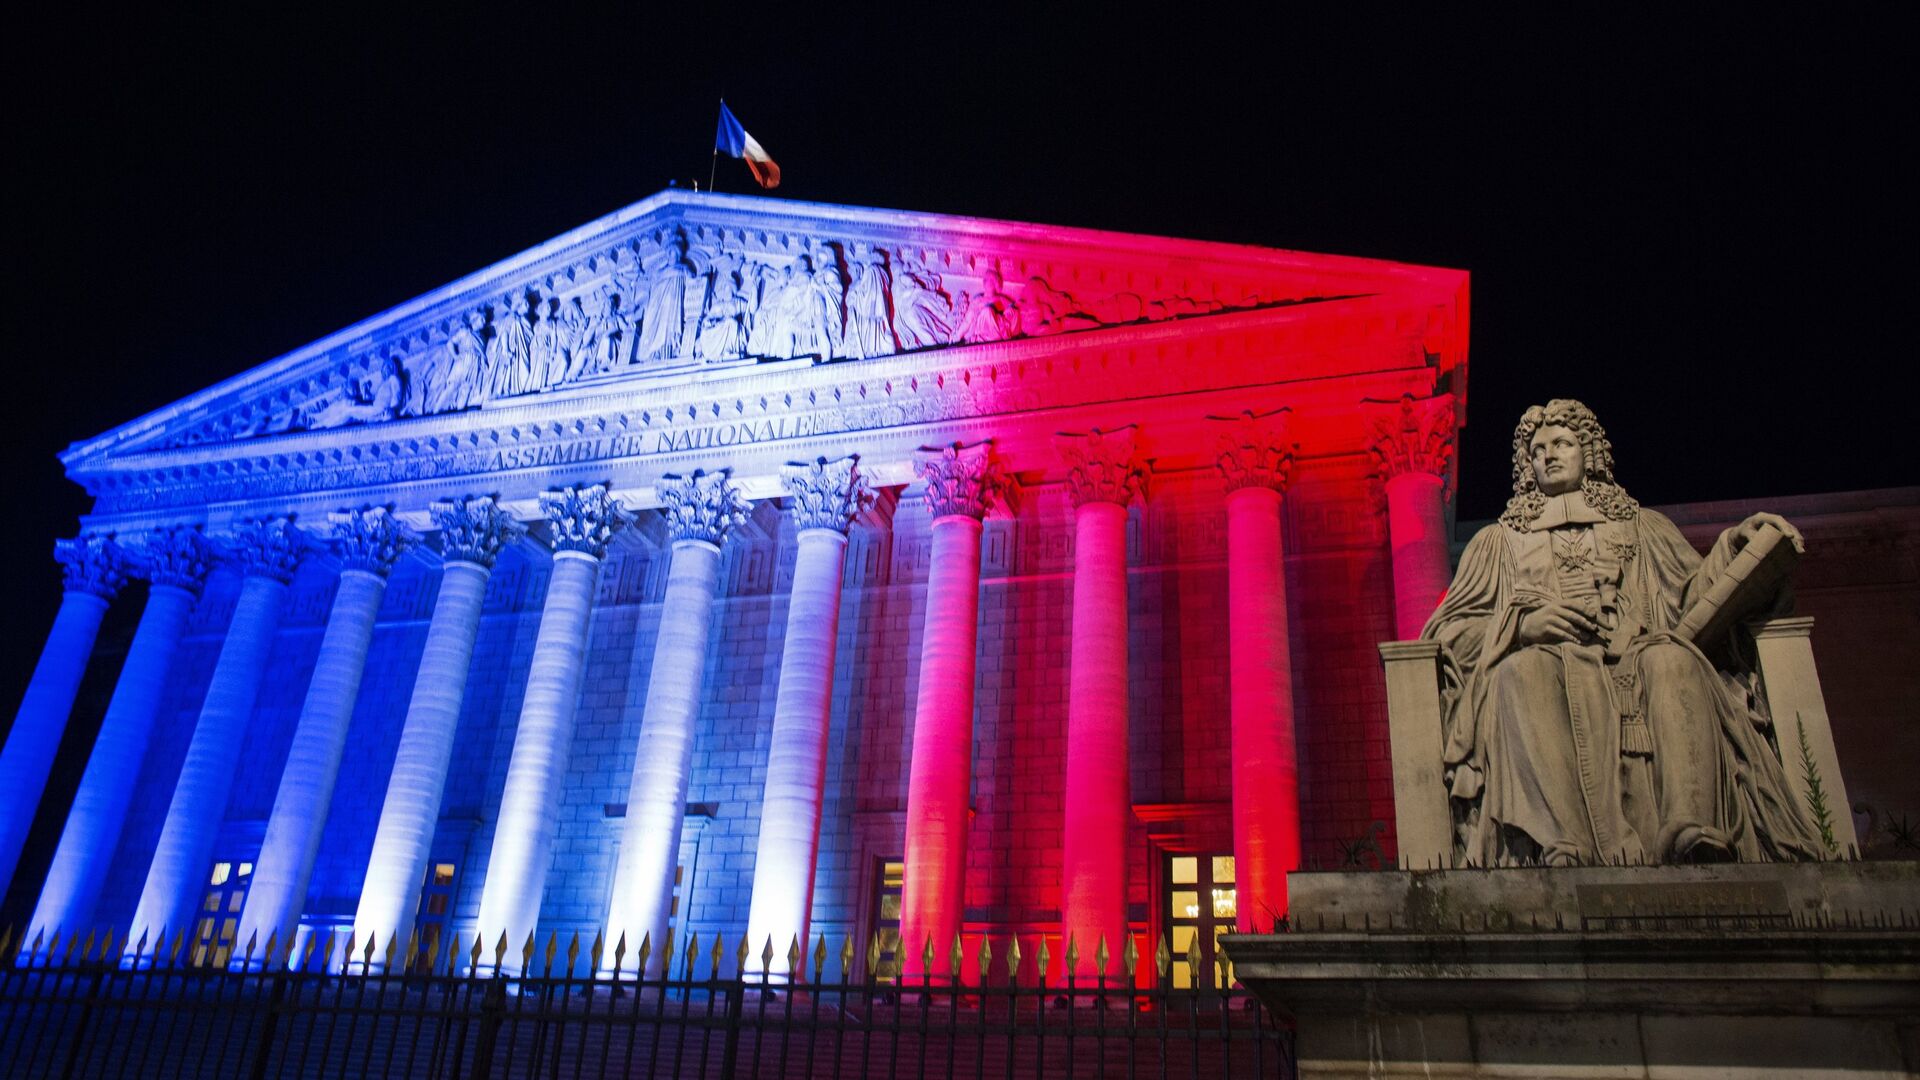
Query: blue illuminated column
x,y
368,542
699,511
174,562
582,520
94,573
268,551
824,497
473,532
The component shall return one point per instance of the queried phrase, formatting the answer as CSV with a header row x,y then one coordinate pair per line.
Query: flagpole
x,y
713,162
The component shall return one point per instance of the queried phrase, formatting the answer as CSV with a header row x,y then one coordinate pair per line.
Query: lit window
x,y
221,871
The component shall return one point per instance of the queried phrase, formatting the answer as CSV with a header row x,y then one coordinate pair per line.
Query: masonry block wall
x,y
1340,591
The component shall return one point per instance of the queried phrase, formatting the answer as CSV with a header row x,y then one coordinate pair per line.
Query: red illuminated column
x,y
824,497
1413,446
961,481
1104,474
1255,458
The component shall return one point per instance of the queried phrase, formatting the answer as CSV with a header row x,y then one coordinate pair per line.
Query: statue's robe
x,y
1572,756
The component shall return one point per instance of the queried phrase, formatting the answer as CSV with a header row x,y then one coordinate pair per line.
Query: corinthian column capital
x,y
268,547
370,539
1412,435
474,529
1256,450
92,564
177,555
705,506
1103,466
962,479
826,494
582,518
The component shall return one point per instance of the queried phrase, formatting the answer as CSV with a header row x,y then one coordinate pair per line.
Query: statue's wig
x,y
1596,453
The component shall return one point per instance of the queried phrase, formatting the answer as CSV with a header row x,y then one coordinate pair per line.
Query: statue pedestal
x,y
1759,969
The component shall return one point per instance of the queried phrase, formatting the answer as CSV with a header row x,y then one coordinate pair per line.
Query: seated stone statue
x,y
1579,728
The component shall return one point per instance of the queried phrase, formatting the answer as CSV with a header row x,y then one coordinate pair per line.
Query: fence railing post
x,y
276,1002
493,1013
736,997
80,1030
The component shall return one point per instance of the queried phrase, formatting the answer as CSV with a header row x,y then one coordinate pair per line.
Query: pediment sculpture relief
x,y
673,300
1591,715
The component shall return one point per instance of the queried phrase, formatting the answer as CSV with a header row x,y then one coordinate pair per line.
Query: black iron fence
x,y
78,1009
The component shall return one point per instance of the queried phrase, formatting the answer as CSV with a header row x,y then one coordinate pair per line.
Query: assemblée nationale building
x,y
732,564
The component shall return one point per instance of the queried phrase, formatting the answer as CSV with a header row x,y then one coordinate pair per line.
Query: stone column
x,y
368,542
1104,474
699,511
1256,460
1413,447
824,497
473,531
94,572
268,550
174,562
962,482
582,520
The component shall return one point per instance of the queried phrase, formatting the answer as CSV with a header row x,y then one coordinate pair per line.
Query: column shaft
x,y
1417,523
783,869
657,794
934,898
35,736
530,804
92,832
184,850
403,840
1266,774
279,890
1098,800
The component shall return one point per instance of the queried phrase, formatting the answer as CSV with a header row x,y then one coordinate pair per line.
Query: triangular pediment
x,y
689,286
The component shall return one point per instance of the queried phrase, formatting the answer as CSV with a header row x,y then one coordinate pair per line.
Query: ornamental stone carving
x,y
1413,435
1256,449
92,564
826,494
1103,465
370,539
268,547
474,529
582,518
179,556
962,479
705,506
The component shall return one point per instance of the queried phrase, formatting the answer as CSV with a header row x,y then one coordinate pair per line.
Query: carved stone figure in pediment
x,y
379,397
1583,724
510,353
988,315
723,325
663,325
772,333
869,326
1046,310
820,308
458,381
547,349
922,314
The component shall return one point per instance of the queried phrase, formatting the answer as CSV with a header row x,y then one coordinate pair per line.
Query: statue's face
x,y
1558,464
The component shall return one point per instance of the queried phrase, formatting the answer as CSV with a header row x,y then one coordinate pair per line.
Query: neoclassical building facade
x,y
732,565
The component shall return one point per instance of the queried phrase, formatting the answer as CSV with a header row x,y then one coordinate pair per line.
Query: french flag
x,y
733,140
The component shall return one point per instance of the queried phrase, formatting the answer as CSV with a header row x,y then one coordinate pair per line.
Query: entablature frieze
x,y
767,415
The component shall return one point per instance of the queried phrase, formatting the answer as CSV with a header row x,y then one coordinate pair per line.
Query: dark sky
x,y
1703,227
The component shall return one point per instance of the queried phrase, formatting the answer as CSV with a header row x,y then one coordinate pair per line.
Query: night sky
x,y
1704,229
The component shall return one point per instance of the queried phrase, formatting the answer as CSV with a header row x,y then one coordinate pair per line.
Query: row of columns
x,y
1106,471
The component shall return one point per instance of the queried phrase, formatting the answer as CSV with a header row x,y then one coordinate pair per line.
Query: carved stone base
x,y
1747,970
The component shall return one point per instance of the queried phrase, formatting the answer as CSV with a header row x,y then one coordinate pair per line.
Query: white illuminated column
x,y
962,482
824,497
268,551
1104,474
581,521
473,532
94,573
1256,460
699,511
368,542
174,562
1413,446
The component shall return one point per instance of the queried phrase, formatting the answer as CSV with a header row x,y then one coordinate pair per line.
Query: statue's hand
x,y
1556,623
1750,528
